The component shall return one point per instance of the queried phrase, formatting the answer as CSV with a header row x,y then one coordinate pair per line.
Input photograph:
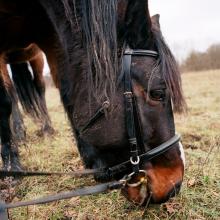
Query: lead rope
x,y
129,109
92,190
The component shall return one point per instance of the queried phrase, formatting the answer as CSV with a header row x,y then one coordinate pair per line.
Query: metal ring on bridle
x,y
141,181
136,162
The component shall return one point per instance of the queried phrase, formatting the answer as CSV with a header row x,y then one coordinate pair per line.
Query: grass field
x,y
200,195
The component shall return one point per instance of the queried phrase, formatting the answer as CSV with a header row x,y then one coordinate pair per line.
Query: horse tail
x,y
28,91
18,127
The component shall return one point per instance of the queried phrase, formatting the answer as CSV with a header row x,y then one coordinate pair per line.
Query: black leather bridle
x,y
136,155
131,113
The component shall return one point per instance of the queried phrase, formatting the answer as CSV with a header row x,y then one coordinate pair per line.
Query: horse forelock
x,y
171,73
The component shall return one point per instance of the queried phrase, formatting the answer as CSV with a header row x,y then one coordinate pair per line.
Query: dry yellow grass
x,y
200,195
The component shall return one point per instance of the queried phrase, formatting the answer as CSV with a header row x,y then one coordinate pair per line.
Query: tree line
x,y
198,61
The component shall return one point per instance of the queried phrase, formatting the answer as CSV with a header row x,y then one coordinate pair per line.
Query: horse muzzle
x,y
153,185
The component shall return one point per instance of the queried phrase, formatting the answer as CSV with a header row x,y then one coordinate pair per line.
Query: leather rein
x,y
135,157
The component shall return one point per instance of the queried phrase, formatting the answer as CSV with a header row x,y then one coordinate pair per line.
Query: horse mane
x,y
99,32
170,70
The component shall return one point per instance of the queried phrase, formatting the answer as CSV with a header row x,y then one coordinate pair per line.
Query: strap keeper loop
x,y
133,141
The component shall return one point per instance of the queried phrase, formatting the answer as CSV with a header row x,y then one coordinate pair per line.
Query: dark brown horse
x,y
84,41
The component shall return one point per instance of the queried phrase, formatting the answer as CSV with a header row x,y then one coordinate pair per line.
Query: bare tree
x,y
197,61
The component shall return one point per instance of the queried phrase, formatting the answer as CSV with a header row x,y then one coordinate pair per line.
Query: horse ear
x,y
155,22
138,23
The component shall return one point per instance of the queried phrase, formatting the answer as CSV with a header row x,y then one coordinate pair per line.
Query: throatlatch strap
x,y
129,109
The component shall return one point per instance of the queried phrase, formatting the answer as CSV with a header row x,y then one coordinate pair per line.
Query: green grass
x,y
200,195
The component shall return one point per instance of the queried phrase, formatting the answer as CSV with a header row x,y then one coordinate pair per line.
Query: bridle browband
x,y
140,52
112,171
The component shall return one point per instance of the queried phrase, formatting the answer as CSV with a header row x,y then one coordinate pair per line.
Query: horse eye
x,y
158,95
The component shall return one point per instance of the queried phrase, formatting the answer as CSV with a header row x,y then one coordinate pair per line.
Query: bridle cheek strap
x,y
130,103
129,112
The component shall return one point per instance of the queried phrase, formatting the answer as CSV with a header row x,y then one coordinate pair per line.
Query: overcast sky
x,y
188,24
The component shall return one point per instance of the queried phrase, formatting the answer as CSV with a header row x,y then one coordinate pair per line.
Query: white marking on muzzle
x,y
182,154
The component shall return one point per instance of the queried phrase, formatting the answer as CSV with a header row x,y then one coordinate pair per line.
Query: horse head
x,y
157,90
157,93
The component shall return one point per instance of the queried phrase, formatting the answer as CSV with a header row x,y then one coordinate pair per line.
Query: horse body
x,y
82,42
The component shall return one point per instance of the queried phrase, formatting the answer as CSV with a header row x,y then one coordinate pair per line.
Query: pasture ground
x,y
200,195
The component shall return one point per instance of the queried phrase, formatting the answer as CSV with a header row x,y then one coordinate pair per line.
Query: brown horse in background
x,y
28,87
